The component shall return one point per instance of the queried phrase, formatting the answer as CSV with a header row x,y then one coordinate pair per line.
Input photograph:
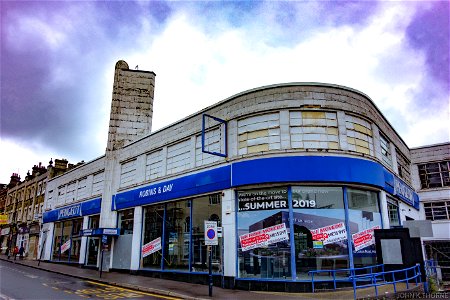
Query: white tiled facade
x,y
306,119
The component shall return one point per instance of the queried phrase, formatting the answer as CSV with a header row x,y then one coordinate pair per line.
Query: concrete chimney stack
x,y
132,106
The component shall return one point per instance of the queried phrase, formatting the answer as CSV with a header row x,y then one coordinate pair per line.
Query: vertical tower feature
x,y
132,105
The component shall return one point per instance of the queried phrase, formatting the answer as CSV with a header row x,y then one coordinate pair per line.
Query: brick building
x,y
24,205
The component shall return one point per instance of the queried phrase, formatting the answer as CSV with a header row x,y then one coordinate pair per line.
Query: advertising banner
x,y
65,246
330,234
264,237
265,199
364,238
5,231
151,247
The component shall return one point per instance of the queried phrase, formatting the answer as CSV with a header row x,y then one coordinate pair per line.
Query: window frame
x,y
434,209
430,171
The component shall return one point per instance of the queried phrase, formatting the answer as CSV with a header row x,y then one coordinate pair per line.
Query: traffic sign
x,y
211,233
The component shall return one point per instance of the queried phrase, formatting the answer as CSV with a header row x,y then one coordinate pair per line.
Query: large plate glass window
x,y
364,212
205,208
77,225
66,236
152,236
56,240
177,231
263,232
320,235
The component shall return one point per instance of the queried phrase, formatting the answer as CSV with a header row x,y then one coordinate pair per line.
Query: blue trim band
x,y
195,184
85,208
290,169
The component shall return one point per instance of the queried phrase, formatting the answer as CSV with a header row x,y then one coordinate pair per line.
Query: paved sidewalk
x,y
184,290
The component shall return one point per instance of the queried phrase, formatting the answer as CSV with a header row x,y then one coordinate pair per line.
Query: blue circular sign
x,y
211,233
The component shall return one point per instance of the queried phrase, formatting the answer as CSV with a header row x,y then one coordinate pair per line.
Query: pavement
x,y
184,290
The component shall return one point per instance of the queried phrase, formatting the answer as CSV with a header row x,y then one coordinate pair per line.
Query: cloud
x,y
58,61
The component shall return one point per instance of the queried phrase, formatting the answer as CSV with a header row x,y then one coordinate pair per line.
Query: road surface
x,y
21,282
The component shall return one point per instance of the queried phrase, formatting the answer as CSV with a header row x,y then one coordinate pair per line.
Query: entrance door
x,y
304,259
92,251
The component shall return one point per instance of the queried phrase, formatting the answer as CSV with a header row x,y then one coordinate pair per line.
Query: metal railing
x,y
370,278
403,275
349,272
430,267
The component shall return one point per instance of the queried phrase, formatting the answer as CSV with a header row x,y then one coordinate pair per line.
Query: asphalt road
x,y
21,282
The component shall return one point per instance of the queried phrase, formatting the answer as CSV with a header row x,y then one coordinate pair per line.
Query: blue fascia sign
x,y
194,184
331,169
85,208
405,193
70,212
100,231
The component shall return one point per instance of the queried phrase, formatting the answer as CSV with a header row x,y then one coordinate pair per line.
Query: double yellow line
x,y
134,291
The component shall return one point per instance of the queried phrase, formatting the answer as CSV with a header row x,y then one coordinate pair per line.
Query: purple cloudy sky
x,y
57,63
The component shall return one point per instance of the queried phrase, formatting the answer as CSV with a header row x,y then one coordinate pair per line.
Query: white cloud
x,y
25,158
200,63
196,67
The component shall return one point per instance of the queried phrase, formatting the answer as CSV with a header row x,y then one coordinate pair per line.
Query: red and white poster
x,y
330,234
364,238
65,246
151,247
264,237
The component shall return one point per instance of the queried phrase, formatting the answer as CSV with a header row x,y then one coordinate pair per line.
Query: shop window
x,y
206,208
393,213
264,213
66,235
320,234
363,211
56,241
439,210
152,236
67,240
434,175
176,245
77,225
126,219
